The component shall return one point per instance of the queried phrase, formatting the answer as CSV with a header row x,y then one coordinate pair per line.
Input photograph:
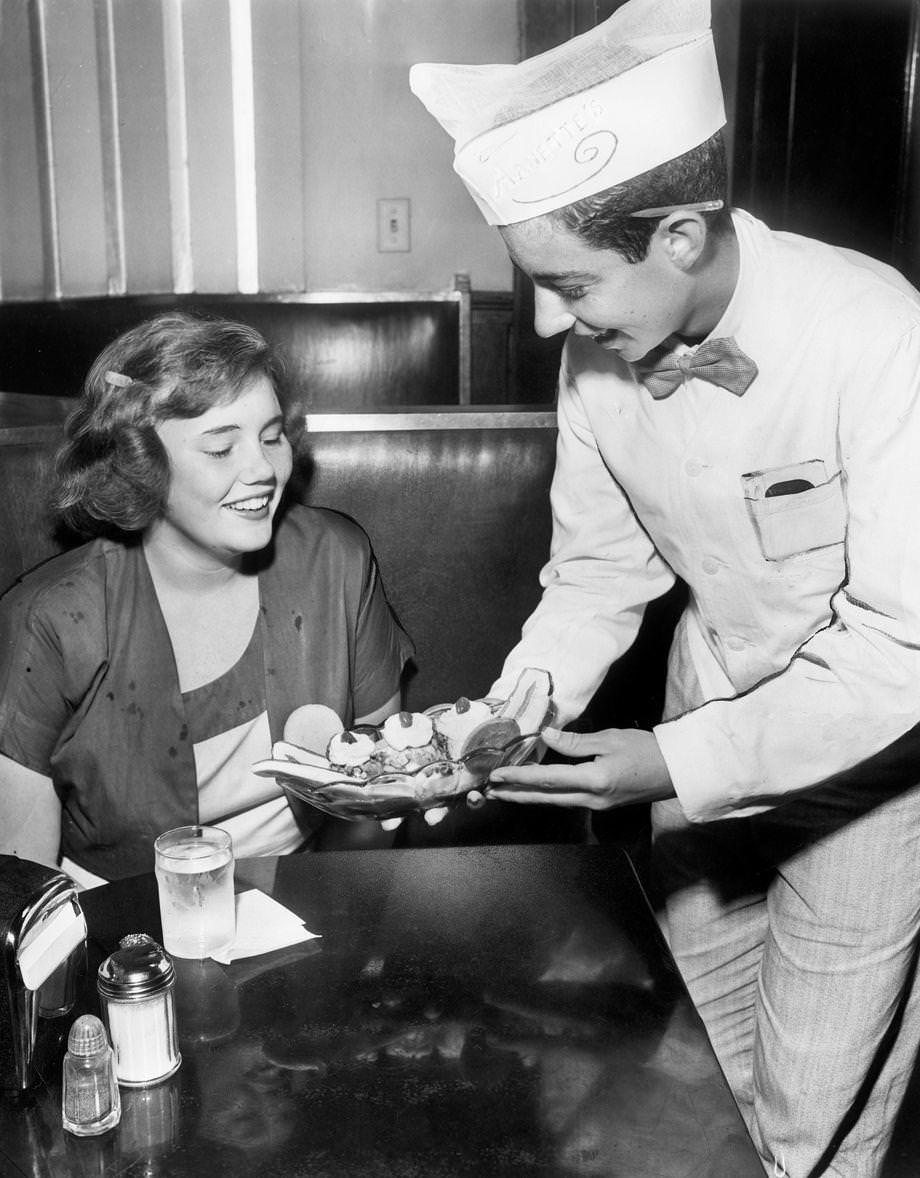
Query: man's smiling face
x,y
627,307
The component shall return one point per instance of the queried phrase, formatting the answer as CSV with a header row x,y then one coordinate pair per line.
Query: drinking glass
x,y
194,870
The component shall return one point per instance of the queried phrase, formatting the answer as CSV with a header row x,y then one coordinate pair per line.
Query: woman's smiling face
x,y
228,469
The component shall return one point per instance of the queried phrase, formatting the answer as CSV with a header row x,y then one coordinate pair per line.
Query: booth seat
x,y
456,505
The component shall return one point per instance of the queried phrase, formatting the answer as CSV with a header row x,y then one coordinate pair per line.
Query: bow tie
x,y
719,361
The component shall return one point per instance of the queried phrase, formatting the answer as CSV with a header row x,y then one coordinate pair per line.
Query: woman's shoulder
x,y
318,546
322,525
73,579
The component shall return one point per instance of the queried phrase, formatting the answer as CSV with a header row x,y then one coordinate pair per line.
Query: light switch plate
x,y
393,225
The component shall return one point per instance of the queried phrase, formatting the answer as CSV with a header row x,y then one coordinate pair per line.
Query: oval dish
x,y
397,794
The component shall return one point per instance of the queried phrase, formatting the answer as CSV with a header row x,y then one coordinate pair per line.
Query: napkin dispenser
x,y
42,944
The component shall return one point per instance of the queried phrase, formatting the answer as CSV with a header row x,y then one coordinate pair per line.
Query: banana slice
x,y
524,713
530,702
493,734
283,750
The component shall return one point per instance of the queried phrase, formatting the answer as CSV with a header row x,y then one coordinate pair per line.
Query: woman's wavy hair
x,y
112,471
603,221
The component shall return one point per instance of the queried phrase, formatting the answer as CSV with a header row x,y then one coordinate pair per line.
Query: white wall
x,y
121,136
368,137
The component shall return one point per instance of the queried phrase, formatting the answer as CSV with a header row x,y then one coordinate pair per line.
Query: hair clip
x,y
119,379
702,206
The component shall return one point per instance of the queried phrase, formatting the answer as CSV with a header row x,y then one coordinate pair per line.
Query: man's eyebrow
x,y
550,278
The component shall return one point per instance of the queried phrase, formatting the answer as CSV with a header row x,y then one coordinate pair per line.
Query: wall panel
x,y
21,249
212,191
77,176
141,91
277,69
117,164
369,137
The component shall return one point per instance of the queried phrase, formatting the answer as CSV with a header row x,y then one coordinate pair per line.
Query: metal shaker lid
x,y
137,969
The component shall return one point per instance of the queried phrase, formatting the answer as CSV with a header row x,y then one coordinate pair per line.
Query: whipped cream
x,y
458,721
407,730
350,749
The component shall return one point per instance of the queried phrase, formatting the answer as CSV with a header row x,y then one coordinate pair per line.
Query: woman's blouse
x,y
228,722
89,691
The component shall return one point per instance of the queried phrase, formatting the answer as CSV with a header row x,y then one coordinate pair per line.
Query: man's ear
x,y
683,237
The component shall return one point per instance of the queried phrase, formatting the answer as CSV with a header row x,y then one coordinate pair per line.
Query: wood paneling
x,y
491,348
337,353
824,119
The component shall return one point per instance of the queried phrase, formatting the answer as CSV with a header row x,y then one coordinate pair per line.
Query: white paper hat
x,y
638,90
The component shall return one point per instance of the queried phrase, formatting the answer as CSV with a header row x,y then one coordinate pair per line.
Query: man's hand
x,y
627,767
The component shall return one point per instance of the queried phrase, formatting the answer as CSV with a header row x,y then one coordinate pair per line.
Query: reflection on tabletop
x,y
382,1056
483,1011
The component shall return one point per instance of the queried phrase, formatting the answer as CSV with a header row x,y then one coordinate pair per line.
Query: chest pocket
x,y
791,524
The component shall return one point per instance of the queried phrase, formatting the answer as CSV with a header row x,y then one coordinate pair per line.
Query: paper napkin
x,y
262,925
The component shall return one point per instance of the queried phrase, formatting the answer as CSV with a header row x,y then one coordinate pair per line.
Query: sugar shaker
x,y
136,986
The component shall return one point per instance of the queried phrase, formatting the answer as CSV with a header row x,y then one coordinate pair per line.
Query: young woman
x,y
143,673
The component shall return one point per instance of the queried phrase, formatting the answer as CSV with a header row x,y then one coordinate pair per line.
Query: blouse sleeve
x,y
33,702
381,646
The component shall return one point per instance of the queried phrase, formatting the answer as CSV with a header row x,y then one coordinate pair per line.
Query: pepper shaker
x,y
90,1101
136,986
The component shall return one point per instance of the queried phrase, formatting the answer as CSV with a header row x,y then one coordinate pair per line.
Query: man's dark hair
x,y
603,220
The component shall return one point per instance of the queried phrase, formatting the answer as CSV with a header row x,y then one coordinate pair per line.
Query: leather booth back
x,y
457,510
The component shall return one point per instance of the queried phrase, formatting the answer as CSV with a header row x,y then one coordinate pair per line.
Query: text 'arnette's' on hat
x,y
636,91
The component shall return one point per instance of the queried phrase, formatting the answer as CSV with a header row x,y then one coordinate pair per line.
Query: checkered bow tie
x,y
719,361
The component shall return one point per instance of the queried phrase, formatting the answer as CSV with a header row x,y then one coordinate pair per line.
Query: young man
x,y
741,409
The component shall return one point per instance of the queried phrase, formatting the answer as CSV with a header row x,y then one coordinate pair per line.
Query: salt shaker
x,y
136,986
90,1101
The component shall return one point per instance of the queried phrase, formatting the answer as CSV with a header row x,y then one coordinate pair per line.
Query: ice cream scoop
x,y
407,730
350,749
457,722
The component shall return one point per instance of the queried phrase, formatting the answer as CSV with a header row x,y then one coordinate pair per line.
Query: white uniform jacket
x,y
803,629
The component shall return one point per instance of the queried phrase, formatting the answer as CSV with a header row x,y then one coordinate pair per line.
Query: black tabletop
x,y
484,1011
